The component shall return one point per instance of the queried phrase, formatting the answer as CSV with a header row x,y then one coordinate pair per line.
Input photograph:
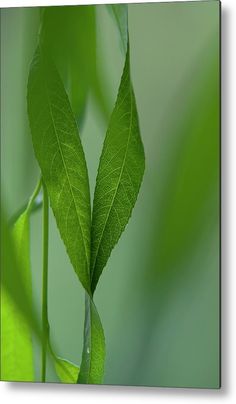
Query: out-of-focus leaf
x,y
92,366
192,178
120,14
16,342
61,158
119,176
66,371
187,205
37,204
16,321
69,33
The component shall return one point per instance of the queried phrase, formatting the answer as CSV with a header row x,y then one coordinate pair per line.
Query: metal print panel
x,y
110,186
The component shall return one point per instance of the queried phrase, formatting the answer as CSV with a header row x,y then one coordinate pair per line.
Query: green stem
x,y
30,204
44,286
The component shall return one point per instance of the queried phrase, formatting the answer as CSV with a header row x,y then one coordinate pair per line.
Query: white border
x,y
38,393
26,3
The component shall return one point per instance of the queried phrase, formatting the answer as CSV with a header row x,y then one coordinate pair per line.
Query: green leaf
x,y
16,342
12,273
119,176
69,33
66,371
37,204
61,158
120,14
92,366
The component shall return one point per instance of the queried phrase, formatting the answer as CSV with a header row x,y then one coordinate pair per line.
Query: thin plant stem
x,y
45,285
31,206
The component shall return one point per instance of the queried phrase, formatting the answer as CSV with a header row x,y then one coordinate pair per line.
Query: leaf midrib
x,y
64,165
118,183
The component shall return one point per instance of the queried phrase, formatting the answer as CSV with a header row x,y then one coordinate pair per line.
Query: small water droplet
x,y
88,350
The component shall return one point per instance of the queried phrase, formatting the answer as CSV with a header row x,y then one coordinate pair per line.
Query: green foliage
x,y
69,34
92,366
176,243
37,204
118,181
119,176
60,155
18,317
16,342
120,14
66,371
61,158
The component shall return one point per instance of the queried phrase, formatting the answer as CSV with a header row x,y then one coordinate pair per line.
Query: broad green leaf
x,y
66,371
61,158
16,342
119,176
92,366
120,14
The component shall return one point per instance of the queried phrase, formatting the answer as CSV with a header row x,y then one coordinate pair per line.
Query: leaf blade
x,y
93,358
61,158
119,176
119,12
66,371
73,49
16,332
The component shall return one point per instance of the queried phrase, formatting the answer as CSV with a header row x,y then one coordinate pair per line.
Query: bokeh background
x,y
158,297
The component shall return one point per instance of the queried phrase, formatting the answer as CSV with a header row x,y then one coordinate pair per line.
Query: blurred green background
x,y
158,297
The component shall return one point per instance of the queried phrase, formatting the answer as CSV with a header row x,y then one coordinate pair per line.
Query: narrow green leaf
x,y
61,158
69,33
16,342
92,366
120,14
38,203
66,371
119,176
